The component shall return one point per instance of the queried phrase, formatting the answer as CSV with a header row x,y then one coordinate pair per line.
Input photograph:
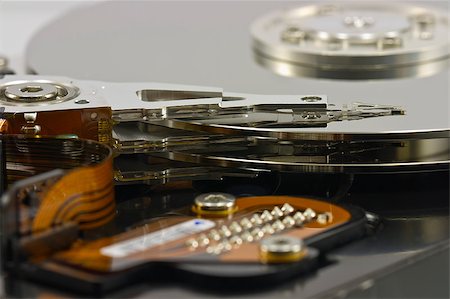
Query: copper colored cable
x,y
85,194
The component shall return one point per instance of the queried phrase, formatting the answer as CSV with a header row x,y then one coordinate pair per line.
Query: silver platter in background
x,y
210,44
353,41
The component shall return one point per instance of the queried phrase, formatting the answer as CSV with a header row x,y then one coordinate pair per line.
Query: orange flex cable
x,y
84,194
3,126
84,189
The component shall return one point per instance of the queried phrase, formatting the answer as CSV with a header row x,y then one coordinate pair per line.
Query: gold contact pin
x,y
266,216
287,209
309,214
288,221
277,212
299,218
246,224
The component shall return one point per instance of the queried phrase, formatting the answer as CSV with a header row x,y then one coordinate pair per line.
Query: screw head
x,y
293,35
215,201
31,92
281,249
281,244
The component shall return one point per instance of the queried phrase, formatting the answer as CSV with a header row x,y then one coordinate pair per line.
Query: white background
x,y
19,20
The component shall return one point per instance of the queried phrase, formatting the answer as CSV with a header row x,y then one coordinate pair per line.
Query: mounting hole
x,y
82,101
311,99
36,92
32,89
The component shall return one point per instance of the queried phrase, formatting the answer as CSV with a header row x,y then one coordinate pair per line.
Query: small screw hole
x,y
82,101
31,89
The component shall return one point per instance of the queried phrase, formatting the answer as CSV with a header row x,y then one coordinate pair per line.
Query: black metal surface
x,y
3,176
408,247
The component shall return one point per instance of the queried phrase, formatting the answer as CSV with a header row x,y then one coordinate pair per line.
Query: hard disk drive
x,y
250,148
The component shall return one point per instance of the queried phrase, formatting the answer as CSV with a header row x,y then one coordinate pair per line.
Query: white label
x,y
139,244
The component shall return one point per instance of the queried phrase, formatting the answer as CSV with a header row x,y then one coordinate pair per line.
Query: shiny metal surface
x,y
408,237
281,249
359,40
281,116
39,92
273,154
215,201
3,65
3,62
178,52
289,69
207,43
281,245
304,133
365,157
4,69
32,93
150,170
